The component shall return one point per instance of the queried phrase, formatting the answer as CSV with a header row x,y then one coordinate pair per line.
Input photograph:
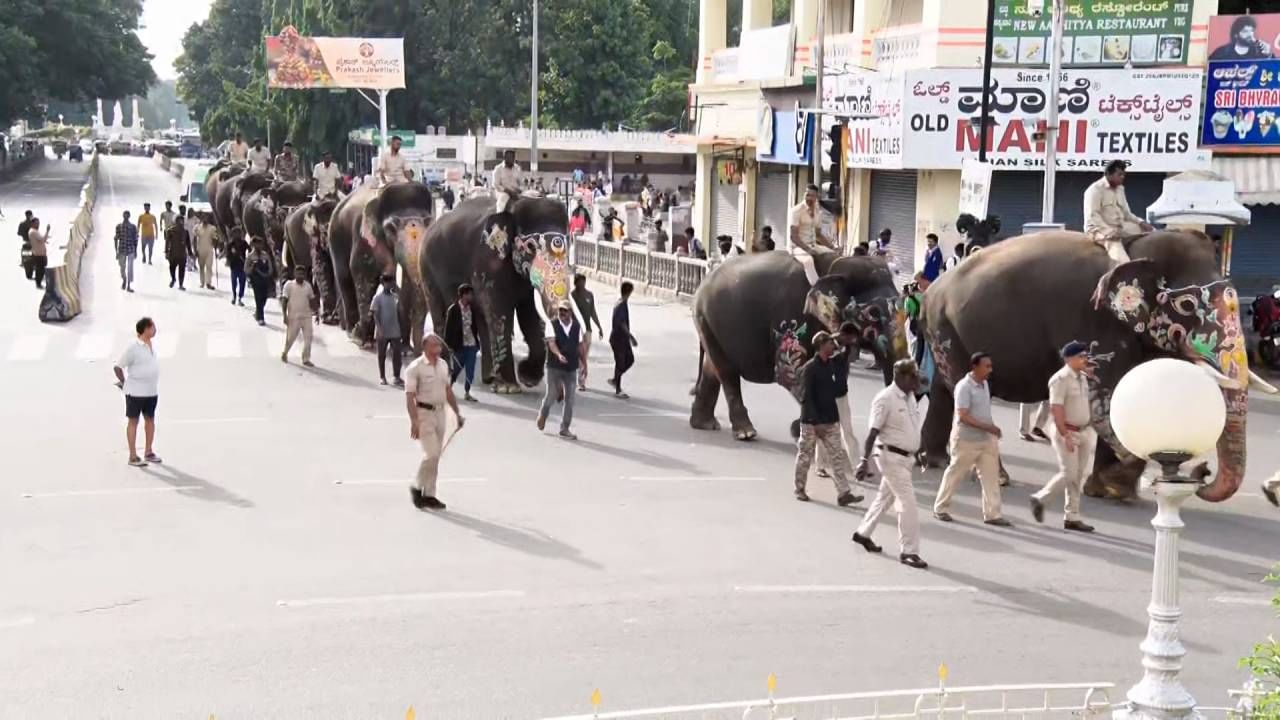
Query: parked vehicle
x,y
75,153
1266,322
59,148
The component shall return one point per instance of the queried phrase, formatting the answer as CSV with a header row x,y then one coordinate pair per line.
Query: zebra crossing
x,y
215,345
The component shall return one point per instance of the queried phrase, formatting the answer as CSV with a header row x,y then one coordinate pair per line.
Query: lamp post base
x,y
1160,694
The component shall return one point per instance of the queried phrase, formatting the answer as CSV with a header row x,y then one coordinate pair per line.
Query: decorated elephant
x,y
307,246
1022,299
372,230
262,217
509,258
292,193
217,187
756,317
241,188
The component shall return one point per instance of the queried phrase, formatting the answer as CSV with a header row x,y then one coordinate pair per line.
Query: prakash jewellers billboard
x,y
1150,118
297,62
875,142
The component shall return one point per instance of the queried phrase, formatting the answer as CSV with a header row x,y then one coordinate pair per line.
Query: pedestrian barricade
x,y
61,301
660,273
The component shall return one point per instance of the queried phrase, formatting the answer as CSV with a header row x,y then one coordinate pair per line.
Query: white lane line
x,y
866,589
94,346
401,597
166,345
111,491
451,481
1255,600
644,414
216,421
223,344
688,478
26,348
6,623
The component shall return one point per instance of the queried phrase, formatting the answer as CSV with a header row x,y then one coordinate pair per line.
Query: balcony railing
x,y
675,274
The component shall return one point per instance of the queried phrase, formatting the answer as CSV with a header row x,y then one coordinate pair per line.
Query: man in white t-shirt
x,y
506,180
259,158
238,149
138,374
326,176
392,166
297,298
806,232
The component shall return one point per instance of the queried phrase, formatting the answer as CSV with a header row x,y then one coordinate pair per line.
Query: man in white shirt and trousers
x,y
894,428
806,232
392,167
1107,217
506,180
325,175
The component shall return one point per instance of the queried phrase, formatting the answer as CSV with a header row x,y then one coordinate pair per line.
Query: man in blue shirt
x,y
932,258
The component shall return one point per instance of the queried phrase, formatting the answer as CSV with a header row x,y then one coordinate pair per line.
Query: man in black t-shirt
x,y
820,419
24,228
1244,44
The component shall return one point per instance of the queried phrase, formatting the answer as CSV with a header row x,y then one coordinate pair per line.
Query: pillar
x,y
704,180
757,14
937,207
804,16
713,27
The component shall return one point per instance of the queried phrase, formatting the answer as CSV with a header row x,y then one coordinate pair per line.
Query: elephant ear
x,y
1129,291
826,301
499,233
370,225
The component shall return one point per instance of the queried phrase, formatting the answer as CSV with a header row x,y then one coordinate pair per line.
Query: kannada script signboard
x,y
299,63
1098,33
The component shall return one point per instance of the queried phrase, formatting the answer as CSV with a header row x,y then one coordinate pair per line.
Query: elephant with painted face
x,y
1022,299
518,263
307,246
756,317
371,232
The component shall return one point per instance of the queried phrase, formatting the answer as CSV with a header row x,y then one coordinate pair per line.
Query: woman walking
x,y
138,374
262,275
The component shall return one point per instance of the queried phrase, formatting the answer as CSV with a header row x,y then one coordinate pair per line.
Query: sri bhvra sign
x,y
298,62
1149,118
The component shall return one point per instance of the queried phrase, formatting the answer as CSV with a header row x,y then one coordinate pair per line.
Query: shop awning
x,y
1257,177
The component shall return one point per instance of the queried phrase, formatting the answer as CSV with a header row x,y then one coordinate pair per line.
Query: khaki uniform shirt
x,y
299,296
391,168
1070,389
1107,213
808,225
897,416
427,382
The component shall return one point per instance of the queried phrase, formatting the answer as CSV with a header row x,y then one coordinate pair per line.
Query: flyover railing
x,y
658,272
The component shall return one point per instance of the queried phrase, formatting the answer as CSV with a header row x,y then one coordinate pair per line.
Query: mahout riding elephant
x,y
518,263
756,316
217,187
1022,299
307,246
371,231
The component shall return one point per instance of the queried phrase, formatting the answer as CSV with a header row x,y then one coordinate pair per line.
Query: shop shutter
x,y
1016,197
1255,253
724,214
773,185
893,206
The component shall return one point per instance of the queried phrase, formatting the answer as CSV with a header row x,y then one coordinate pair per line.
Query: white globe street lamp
x,y
1169,411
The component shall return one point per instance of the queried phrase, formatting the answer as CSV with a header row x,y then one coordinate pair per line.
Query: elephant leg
x,y
1116,471
706,394
529,371
414,308
501,326
739,420
937,424
322,272
365,280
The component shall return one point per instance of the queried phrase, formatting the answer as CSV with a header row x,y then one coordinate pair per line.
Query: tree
x,y
1264,665
69,51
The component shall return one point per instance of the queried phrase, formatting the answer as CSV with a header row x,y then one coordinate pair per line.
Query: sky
x,y
166,21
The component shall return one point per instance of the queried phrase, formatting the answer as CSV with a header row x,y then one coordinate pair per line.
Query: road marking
x,y
684,478
28,348
451,481
166,345
1255,600
402,597
866,589
93,346
643,414
6,623
224,344
111,491
215,421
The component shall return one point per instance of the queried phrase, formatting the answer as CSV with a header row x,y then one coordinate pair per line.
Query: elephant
x,y
292,193
508,258
262,217
756,315
307,246
217,186
1022,299
371,231
241,188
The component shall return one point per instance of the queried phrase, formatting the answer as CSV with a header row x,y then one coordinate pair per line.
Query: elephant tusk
x,y
1218,377
1258,383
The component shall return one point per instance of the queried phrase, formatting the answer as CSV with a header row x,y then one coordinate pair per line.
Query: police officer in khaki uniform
x,y
427,390
1073,436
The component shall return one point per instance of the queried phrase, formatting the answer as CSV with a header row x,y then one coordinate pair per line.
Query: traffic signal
x,y
835,138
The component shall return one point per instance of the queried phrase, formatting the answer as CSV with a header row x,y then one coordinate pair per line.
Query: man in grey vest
x,y
564,347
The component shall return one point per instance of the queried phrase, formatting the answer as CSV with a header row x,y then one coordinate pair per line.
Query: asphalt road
x,y
273,565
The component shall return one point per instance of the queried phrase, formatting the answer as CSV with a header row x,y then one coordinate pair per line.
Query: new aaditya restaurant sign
x,y
1150,118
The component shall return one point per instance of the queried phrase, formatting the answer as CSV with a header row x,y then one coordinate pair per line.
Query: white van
x,y
193,193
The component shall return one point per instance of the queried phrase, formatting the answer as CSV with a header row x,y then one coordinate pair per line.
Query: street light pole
x,y
820,51
1051,116
533,97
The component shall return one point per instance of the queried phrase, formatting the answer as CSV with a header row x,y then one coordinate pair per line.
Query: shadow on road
x,y
204,489
526,540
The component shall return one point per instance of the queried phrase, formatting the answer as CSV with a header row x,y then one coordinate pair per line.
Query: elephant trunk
x,y
1231,448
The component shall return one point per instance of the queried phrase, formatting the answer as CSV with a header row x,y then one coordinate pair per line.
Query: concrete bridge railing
x,y
62,298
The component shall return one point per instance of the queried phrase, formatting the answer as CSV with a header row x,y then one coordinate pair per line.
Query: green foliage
x,y
1264,664
70,51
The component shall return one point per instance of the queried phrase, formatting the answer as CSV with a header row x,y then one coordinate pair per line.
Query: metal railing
x,y
676,274
1070,700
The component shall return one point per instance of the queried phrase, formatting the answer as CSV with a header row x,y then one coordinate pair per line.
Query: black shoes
x,y
1037,510
418,500
1270,495
944,517
432,504
913,560
848,499
1040,434
866,543
1077,526
1026,436
802,496
824,473
998,522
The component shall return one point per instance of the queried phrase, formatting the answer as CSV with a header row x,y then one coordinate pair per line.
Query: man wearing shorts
x,y
138,374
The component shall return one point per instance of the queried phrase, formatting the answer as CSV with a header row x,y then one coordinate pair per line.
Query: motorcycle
x,y
1266,322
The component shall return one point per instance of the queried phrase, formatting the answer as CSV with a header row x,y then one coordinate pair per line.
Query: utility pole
x,y
820,62
984,120
1051,116
533,97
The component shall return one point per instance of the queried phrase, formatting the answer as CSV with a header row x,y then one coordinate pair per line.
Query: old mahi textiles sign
x,y
1147,117
298,62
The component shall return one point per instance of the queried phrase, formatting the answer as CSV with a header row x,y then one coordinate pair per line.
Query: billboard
x,y
1243,37
875,142
297,62
1149,117
792,138
1242,103
1096,34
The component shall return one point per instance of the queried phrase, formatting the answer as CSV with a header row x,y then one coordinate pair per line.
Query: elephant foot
x,y
704,423
746,434
528,372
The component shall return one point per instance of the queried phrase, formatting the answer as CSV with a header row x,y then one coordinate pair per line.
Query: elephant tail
x,y
702,354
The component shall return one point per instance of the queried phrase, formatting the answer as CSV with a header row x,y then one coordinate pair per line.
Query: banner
x,y
1150,118
1097,33
975,188
875,141
299,63
1243,37
1242,104
792,139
